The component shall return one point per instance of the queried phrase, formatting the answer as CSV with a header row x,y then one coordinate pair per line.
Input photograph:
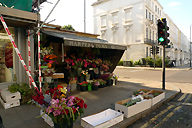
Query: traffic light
x,y
152,50
162,32
157,50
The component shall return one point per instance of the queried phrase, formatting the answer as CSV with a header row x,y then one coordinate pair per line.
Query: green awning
x,y
25,5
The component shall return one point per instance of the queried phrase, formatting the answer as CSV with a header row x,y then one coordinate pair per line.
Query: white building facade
x,y
134,23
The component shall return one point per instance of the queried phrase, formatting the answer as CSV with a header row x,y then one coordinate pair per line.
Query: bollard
x,y
1,123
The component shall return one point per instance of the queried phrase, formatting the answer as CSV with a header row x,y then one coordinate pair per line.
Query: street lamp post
x,y
190,46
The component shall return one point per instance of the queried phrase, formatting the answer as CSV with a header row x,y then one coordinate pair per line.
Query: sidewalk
x,y
182,67
24,116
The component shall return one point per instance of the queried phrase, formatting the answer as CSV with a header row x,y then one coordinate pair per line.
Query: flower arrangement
x,y
96,82
106,76
46,72
84,73
102,82
72,78
48,58
115,77
84,83
57,105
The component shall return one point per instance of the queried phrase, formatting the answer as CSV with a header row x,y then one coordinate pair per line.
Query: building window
x,y
146,13
152,17
149,16
156,20
146,51
150,34
114,18
155,8
147,33
153,36
128,15
115,37
103,21
160,12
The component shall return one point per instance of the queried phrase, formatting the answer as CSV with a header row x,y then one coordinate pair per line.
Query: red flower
x,y
81,101
40,102
74,110
59,86
80,105
85,106
47,92
66,111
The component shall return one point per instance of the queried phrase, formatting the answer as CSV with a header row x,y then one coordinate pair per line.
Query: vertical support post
x,y
17,51
39,50
29,56
84,15
190,46
154,51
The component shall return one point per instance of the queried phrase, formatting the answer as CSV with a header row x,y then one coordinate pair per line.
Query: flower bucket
x,y
63,125
79,71
94,87
73,87
91,72
83,88
89,87
87,77
48,79
109,82
81,78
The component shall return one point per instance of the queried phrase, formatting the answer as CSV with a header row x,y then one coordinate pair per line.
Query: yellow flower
x,y
64,90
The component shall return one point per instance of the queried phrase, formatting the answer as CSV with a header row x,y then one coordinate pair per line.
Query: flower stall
x,y
82,57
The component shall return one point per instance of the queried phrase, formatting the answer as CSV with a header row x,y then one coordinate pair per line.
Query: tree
x,y
68,27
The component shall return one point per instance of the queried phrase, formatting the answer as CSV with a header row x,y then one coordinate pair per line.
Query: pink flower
x,y
57,112
53,101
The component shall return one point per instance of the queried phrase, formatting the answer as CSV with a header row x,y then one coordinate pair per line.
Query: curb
x,y
151,68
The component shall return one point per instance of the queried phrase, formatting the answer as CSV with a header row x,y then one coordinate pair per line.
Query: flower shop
x,y
86,62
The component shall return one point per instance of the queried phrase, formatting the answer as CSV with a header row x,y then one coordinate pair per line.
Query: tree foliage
x,y
68,27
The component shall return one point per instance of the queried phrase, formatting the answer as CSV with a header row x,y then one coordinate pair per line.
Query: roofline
x,y
99,2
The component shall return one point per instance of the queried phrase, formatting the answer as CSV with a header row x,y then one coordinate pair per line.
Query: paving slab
x,y
97,101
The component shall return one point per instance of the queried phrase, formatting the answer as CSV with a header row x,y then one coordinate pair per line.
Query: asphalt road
x,y
175,114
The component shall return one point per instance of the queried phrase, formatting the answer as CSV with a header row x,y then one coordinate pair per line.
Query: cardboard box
x,y
144,90
158,98
10,104
103,119
134,109
58,75
9,97
47,119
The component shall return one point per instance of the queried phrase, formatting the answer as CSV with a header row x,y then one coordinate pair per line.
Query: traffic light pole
x,y
163,66
154,48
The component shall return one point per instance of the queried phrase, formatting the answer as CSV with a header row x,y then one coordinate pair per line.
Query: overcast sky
x,y
72,12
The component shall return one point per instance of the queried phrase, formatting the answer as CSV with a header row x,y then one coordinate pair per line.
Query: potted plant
x,y
102,83
107,77
62,109
95,85
73,83
89,86
83,86
82,76
47,73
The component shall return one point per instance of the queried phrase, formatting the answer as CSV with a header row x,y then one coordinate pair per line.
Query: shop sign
x,y
93,45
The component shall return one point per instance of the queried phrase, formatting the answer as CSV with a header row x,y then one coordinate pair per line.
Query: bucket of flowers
x,y
62,109
84,86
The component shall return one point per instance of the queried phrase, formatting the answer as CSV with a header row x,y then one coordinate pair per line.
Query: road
x,y
175,114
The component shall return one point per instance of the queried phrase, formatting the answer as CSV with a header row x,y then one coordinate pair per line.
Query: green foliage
x,y
68,27
149,61
131,64
24,90
120,63
158,62
137,62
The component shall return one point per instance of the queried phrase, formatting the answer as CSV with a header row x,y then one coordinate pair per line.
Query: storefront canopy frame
x,y
71,39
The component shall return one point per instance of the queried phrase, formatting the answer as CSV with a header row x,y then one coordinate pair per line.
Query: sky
x,y
72,12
